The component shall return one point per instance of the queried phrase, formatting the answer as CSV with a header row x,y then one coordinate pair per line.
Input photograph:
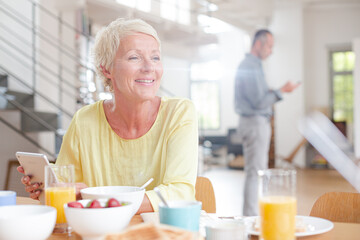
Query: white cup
x,y
229,229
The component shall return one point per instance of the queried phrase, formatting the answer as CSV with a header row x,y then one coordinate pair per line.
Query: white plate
x,y
314,226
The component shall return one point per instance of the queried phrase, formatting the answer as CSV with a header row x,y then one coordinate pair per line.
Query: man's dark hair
x,y
261,35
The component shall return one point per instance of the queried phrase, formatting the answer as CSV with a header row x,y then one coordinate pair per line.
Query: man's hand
x,y
289,87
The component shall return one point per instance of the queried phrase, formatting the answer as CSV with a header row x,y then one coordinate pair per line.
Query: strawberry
x,y
75,205
94,204
113,203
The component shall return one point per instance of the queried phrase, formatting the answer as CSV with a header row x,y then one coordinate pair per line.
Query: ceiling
x,y
245,14
252,14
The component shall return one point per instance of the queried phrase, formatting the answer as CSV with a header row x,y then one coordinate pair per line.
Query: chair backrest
x,y
205,194
338,207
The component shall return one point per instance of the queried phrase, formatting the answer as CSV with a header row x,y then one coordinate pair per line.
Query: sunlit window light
x,y
176,10
168,9
184,12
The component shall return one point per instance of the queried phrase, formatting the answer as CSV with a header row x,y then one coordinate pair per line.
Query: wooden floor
x,y
311,183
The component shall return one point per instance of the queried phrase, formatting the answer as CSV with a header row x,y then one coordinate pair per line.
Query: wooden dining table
x,y
348,231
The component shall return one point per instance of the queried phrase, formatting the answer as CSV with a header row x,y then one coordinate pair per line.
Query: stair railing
x,y
49,39
36,92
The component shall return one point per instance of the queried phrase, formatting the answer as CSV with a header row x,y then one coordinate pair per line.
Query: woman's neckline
x,y
159,112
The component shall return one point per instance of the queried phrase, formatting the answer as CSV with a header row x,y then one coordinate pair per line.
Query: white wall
x,y
15,45
285,64
325,28
48,81
176,77
233,45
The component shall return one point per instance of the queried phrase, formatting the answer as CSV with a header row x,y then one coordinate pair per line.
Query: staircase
x,y
31,120
43,78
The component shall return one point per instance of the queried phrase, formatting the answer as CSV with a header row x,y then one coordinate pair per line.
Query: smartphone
x,y
34,165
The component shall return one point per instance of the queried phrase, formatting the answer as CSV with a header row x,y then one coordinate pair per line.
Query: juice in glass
x,y
277,217
57,197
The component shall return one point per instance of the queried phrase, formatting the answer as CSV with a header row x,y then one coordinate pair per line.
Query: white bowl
x,y
31,222
134,195
95,223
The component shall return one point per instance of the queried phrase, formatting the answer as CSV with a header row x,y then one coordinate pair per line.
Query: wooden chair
x,y
338,207
205,194
293,153
11,164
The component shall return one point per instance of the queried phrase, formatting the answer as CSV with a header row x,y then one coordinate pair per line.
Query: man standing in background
x,y
253,103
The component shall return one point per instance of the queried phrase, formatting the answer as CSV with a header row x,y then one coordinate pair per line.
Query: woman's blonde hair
x,y
108,39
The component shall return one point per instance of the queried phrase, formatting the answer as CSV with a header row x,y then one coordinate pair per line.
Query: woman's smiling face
x,y
137,68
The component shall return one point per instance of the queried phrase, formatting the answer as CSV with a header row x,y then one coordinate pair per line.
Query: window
x,y
342,65
205,93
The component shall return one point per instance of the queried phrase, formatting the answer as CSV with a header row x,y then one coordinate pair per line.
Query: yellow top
x,y
168,152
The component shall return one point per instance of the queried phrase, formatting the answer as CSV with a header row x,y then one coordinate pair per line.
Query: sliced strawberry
x,y
113,203
94,204
75,205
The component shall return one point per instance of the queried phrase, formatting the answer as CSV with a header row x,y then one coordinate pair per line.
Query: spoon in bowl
x,y
157,190
147,183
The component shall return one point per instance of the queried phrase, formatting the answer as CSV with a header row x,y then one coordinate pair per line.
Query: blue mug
x,y
182,214
7,198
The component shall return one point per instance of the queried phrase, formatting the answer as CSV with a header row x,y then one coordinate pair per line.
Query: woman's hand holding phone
x,y
31,188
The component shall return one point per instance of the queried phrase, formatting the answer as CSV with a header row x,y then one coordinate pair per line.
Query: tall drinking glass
x,y
60,189
277,204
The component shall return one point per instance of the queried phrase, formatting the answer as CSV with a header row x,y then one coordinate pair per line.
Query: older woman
x,y
136,135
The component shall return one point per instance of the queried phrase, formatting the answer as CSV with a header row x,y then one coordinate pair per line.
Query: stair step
x,y
25,99
3,80
30,125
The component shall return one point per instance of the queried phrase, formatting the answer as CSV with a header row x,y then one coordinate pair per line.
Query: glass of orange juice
x,y
277,204
60,189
